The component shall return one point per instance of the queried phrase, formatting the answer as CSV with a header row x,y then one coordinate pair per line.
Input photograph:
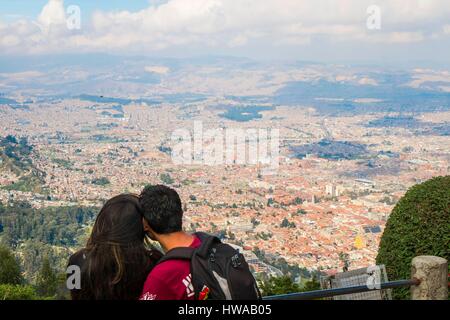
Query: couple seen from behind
x,y
119,262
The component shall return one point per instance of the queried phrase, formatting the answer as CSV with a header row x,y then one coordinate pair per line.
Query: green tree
x,y
166,178
311,285
278,285
6,239
47,281
62,293
9,268
101,181
286,224
17,292
418,225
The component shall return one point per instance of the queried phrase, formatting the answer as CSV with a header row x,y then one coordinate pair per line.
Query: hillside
x,y
16,162
52,232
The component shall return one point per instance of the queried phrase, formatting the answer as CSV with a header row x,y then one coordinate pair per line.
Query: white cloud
x,y
405,37
238,41
157,69
53,13
368,81
228,23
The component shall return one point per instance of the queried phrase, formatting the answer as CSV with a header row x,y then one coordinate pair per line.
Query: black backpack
x,y
219,272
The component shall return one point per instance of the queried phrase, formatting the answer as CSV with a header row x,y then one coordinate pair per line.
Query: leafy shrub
x,y
285,285
418,225
9,267
17,292
278,285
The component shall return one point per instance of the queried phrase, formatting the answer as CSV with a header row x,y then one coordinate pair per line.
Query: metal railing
x,y
317,294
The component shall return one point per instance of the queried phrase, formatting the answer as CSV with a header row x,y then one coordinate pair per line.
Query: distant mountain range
x,y
332,90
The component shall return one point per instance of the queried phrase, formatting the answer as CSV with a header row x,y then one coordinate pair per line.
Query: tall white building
x,y
333,190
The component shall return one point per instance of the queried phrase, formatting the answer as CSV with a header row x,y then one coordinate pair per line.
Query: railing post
x,y
433,275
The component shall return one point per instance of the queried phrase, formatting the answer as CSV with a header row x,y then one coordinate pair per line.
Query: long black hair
x,y
115,263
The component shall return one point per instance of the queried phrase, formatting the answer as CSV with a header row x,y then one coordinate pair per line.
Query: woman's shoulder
x,y
155,254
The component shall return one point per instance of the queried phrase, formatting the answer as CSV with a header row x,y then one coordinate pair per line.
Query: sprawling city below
x,y
352,140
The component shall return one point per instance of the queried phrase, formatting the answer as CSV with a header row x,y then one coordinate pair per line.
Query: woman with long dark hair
x,y
115,262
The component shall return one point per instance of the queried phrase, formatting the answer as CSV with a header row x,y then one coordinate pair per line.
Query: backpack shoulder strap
x,y
202,236
207,242
183,253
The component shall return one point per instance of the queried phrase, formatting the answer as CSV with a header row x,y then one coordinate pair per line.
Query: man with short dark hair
x,y
163,214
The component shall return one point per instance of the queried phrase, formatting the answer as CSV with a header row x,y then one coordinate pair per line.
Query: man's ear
x,y
145,224
148,230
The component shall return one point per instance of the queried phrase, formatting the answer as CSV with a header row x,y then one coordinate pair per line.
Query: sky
x,y
13,9
328,30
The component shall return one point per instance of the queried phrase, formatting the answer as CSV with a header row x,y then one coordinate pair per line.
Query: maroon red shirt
x,y
170,280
